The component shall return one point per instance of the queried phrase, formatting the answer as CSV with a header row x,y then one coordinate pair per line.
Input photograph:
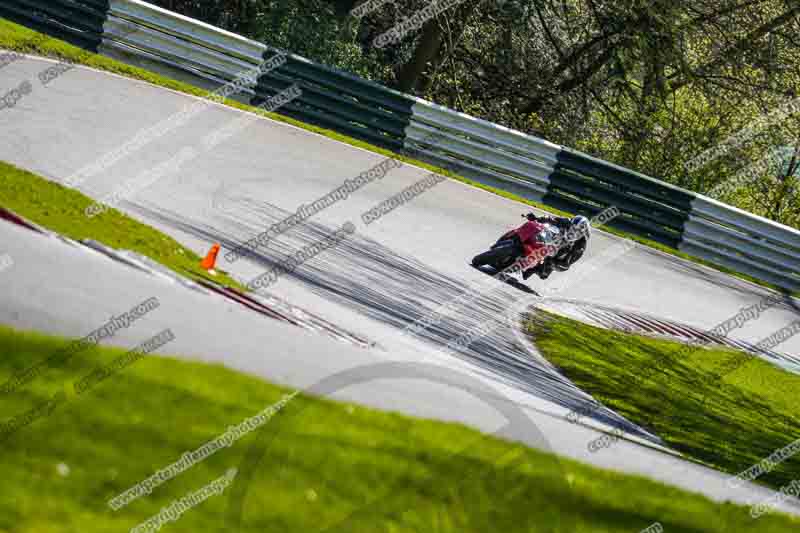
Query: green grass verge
x,y
326,461
22,39
729,424
62,209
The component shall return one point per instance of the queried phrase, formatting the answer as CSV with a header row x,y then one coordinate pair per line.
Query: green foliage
x,y
647,84
310,28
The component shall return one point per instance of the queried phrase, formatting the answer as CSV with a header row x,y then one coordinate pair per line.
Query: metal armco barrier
x,y
158,35
157,39
744,242
480,150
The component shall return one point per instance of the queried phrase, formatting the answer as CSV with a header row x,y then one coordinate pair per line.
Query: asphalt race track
x,y
375,283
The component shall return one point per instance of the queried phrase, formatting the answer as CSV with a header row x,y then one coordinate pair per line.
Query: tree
x,y
646,84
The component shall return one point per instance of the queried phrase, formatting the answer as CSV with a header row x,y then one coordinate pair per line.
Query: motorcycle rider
x,y
571,245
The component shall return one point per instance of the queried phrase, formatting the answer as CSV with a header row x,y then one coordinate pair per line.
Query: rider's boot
x,y
545,268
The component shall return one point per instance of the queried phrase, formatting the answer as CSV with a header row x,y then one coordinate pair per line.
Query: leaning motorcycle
x,y
508,249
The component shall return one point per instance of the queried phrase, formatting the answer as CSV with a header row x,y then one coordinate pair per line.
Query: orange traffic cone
x,y
210,259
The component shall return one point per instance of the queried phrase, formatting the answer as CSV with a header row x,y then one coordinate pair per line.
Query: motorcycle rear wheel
x,y
499,257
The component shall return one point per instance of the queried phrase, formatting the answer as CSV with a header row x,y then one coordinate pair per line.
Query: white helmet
x,y
581,227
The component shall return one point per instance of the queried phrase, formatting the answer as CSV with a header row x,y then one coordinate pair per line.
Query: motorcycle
x,y
509,249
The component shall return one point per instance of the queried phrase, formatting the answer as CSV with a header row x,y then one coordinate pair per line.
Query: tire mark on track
x,y
398,290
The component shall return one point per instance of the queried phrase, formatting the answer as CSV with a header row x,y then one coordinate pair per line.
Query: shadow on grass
x,y
671,391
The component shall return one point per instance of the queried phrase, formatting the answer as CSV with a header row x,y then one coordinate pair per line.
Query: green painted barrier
x,y
79,22
339,101
649,208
